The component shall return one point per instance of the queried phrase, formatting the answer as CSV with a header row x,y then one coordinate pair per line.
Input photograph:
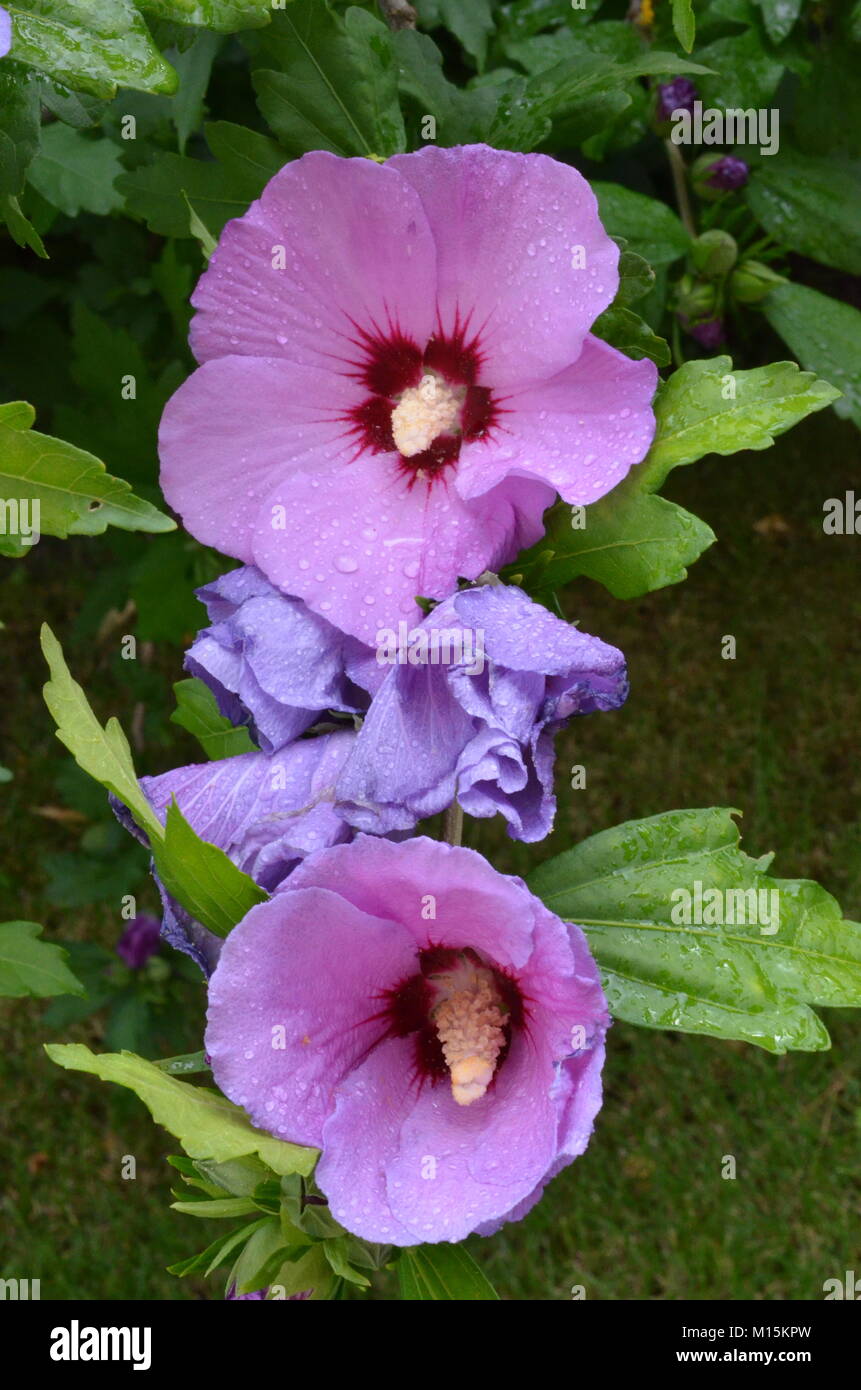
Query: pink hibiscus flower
x,y
397,374
422,1019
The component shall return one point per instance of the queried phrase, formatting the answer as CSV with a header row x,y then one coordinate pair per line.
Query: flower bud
x,y
712,175
678,95
714,253
695,299
752,281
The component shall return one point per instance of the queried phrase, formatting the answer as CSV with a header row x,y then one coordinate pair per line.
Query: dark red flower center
x,y
422,404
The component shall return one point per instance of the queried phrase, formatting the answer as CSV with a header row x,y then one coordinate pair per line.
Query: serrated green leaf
x,y
472,24
750,975
708,408
29,966
206,1124
812,205
825,336
103,753
75,493
442,1272
216,1253
197,712
631,334
330,84
217,1208
636,276
19,136
780,17
75,172
461,117
22,231
93,46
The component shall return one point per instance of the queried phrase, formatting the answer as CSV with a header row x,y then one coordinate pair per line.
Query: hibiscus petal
x,y
506,227
356,252
306,1021
580,431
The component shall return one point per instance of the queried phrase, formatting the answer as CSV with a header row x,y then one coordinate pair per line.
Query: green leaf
x,y
632,542
462,117
266,1243
75,172
684,24
197,712
22,232
76,496
825,336
337,1252
707,408
217,1208
206,1124
185,1064
780,17
160,193
636,276
93,46
224,16
198,874
201,876
334,83
812,205
441,1272
631,335
651,228
19,136
747,75
29,966
630,889
216,1253
194,67
103,753
471,23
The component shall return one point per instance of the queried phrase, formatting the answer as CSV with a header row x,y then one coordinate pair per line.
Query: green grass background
x,y
645,1214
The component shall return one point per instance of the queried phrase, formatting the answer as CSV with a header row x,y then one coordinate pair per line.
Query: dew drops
x,y
346,564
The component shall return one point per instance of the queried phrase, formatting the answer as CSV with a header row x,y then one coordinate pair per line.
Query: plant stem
x,y
680,184
452,824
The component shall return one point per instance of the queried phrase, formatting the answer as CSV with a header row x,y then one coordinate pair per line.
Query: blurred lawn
x,y
646,1213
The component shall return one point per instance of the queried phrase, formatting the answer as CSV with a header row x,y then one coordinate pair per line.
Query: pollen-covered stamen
x,y
470,1024
425,412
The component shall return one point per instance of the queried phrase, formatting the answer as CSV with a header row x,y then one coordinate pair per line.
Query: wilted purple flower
x,y
678,95
423,1020
728,173
256,1296
272,663
139,941
5,32
470,708
266,813
398,374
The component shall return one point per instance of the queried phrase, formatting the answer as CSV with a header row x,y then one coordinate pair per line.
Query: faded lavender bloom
x,y
398,375
5,32
139,941
728,173
678,95
272,663
422,1019
469,709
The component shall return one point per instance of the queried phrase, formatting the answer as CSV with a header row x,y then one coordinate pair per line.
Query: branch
x,y
398,14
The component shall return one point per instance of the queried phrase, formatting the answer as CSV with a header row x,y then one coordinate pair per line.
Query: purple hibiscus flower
x,y
422,1019
272,663
266,813
139,941
470,710
397,375
5,32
